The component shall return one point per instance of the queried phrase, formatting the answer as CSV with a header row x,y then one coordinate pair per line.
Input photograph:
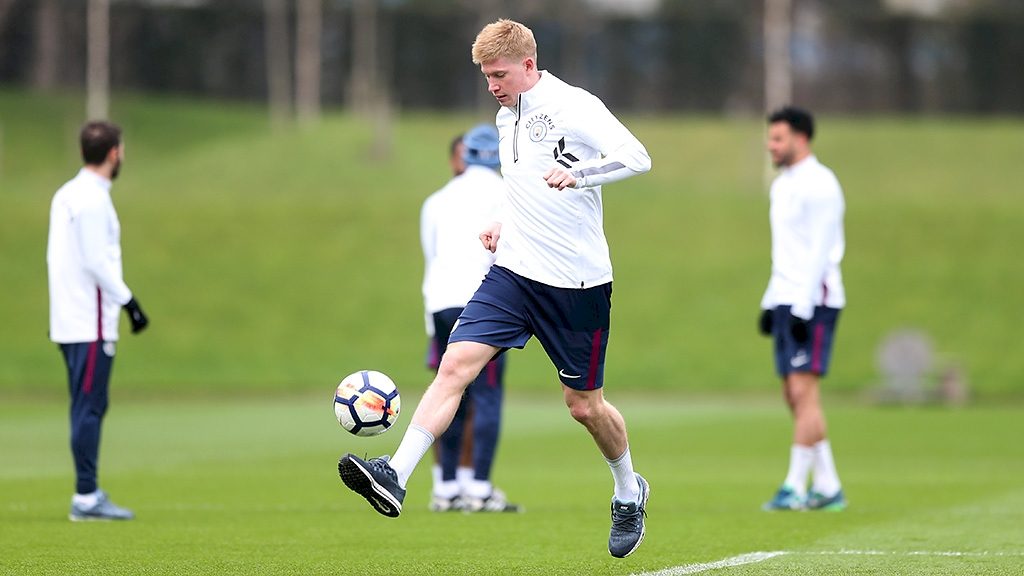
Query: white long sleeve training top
x,y
83,258
807,239
553,236
451,221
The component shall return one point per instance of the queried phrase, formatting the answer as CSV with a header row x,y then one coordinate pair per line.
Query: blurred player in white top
x,y
800,308
455,264
87,293
552,277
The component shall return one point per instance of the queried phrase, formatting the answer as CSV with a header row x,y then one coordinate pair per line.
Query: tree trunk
x,y
5,7
308,59
46,56
365,57
489,11
98,55
778,75
277,52
369,96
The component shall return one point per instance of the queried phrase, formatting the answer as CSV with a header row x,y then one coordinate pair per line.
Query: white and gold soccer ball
x,y
367,403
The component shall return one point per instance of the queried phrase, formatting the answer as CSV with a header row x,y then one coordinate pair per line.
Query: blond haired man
x,y
552,276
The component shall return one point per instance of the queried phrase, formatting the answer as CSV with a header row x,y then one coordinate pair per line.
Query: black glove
x,y
764,324
798,328
137,317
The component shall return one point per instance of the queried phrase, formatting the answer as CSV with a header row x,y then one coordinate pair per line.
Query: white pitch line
x,y
754,557
751,558
950,553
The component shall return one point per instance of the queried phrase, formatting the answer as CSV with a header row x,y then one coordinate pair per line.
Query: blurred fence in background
x,y
888,56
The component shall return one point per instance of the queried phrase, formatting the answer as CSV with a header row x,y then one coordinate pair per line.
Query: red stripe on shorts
x,y
595,353
819,341
90,361
492,373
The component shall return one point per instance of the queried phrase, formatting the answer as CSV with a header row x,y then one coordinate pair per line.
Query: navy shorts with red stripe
x,y
570,323
813,356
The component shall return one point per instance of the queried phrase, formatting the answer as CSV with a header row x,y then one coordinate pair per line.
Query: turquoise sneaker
x,y
785,499
833,503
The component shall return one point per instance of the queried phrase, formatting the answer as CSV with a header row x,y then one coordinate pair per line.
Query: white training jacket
x,y
556,237
451,221
83,258
807,239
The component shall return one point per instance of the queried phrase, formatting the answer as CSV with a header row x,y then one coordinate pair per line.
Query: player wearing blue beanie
x,y
480,146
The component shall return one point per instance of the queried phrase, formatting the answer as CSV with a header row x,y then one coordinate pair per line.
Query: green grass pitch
x,y
284,260
274,262
250,487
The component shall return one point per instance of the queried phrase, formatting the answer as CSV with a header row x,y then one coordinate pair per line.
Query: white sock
x,y
479,488
435,476
86,500
446,489
801,458
414,446
627,488
464,475
826,479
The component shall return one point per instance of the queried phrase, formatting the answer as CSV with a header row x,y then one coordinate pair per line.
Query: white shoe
x,y
496,502
442,504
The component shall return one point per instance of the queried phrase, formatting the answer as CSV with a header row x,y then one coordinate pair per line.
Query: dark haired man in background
x,y
801,306
87,292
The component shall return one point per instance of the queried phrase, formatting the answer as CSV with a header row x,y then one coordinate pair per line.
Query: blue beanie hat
x,y
481,146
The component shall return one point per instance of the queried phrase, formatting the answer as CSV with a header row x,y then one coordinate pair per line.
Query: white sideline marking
x,y
751,558
952,553
754,557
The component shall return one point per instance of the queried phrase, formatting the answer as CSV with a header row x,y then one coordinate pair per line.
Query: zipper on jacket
x,y
515,133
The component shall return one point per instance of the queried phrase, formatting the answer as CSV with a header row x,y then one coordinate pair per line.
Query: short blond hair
x,y
504,39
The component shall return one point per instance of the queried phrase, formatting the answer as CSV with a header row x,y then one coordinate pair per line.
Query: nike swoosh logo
x,y
564,375
798,360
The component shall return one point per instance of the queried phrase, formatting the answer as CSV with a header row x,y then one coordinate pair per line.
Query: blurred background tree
x,y
888,56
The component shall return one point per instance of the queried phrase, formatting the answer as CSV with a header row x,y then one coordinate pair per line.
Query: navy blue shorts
x,y
570,323
811,356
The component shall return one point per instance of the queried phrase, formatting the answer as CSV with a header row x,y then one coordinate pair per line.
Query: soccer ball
x,y
367,403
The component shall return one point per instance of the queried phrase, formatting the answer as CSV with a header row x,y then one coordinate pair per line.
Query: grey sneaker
x,y
104,509
375,480
496,502
628,522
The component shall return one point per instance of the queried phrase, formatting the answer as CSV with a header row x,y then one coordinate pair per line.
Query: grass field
x,y
250,487
283,260
272,263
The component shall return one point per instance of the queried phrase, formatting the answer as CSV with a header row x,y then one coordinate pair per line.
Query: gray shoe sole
x,y
85,518
360,481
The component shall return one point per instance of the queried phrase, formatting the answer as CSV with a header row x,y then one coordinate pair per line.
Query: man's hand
x,y
489,237
765,322
559,178
798,328
136,316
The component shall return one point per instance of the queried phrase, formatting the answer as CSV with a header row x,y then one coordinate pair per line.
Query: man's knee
x,y
585,407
